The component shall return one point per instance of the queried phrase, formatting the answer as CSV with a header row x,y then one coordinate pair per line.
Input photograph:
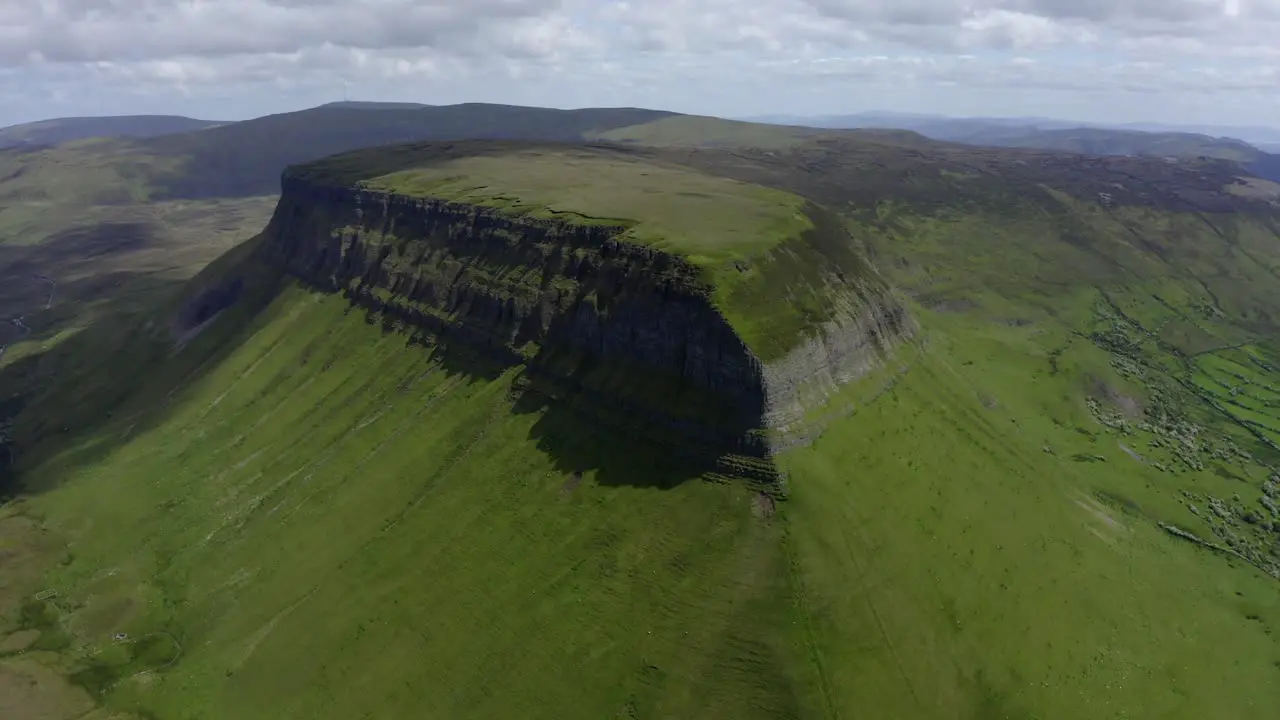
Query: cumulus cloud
x,y
700,55
89,30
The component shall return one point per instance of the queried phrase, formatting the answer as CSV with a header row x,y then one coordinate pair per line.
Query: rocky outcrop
x,y
628,325
842,350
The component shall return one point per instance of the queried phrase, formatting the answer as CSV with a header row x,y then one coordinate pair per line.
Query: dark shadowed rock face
x,y
520,284
626,324
205,306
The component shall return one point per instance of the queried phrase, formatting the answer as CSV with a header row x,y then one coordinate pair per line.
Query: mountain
x,y
1254,135
1098,141
925,123
115,223
246,158
1051,134
680,418
1095,141
53,132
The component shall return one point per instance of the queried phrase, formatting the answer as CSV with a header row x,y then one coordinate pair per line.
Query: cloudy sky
x,y
1205,61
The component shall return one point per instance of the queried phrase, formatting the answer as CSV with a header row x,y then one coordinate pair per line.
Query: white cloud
x,y
86,30
1011,29
244,57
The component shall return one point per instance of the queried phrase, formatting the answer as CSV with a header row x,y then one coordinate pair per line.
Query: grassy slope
x,y
82,216
974,540
325,502
330,522
997,574
1017,565
970,542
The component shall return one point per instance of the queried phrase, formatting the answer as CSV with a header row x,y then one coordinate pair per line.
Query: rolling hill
x,y
115,223
696,419
1048,134
54,132
1103,141
245,159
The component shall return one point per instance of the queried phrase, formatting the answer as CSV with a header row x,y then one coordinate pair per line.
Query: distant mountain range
x,y
1250,146
398,121
1254,135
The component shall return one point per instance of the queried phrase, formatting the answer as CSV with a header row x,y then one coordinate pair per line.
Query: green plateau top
x,y
755,245
705,219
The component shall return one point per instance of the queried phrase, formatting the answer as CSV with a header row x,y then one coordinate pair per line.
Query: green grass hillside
x,y
310,499
82,236
300,496
1059,501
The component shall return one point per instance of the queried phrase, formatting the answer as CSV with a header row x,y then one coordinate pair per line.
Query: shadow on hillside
x,y
582,432
623,431
76,284
56,278
54,393
81,398
579,444
106,373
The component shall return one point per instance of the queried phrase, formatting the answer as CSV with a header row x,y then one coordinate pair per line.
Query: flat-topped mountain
x,y
658,416
749,304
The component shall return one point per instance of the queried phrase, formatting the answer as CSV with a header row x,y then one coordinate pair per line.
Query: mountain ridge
x,y
1050,134
45,133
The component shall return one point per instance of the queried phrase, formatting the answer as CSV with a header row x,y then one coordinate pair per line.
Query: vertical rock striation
x,y
628,325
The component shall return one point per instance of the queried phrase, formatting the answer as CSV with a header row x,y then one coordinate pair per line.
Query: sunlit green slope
x,y
1058,500
973,544
329,521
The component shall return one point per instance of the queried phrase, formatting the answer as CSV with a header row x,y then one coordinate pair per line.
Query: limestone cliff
x,y
633,327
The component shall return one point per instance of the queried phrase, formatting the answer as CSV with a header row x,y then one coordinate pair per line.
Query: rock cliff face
x,y
847,347
630,325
